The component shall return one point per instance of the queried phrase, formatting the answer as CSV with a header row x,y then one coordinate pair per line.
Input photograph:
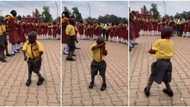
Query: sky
x,y
164,7
97,8
93,8
26,7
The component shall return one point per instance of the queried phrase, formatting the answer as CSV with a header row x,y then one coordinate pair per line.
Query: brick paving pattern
x,y
13,76
76,77
140,71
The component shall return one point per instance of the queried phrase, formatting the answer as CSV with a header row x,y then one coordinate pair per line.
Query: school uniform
x,y
161,69
97,64
2,41
34,59
71,38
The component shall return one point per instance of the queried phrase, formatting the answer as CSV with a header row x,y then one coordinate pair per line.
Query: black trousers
x,y
98,66
2,46
71,44
34,65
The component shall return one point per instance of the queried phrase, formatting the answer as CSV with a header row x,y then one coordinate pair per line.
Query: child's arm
x,y
98,46
25,57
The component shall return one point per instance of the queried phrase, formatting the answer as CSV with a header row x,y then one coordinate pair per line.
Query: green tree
x,y
155,11
111,19
77,14
183,15
67,10
46,16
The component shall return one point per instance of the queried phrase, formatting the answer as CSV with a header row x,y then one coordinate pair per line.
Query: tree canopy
x,y
46,16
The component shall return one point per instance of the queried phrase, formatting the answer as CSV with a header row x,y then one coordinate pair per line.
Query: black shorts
x,y
34,65
98,66
2,41
71,43
161,70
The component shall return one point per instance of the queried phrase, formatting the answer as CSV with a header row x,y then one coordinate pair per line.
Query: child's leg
x,y
6,49
102,69
150,80
28,82
94,72
168,89
37,68
167,80
71,45
149,84
2,56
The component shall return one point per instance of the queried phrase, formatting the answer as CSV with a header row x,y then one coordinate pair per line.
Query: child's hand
x,y
105,52
25,58
151,51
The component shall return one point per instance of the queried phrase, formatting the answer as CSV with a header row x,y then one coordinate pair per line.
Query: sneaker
x,y
103,87
168,92
40,81
28,82
147,92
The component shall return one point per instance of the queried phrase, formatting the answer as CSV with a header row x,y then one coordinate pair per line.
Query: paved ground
x,y
76,77
140,71
13,75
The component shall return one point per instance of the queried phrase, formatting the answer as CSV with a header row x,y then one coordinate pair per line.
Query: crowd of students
x,y
14,30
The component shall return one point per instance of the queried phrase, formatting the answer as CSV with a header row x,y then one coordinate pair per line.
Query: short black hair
x,y
13,12
32,34
166,32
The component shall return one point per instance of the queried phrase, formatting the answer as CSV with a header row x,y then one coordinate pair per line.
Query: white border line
x,y
128,57
61,59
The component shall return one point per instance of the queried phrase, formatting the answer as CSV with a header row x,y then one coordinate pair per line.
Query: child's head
x,y
72,22
32,36
166,32
13,12
100,40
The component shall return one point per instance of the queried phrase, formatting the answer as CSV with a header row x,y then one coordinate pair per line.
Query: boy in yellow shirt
x,y
2,40
33,51
98,64
161,69
71,38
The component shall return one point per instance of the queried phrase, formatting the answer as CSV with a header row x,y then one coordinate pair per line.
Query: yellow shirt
x,y
96,54
2,29
164,48
70,30
33,51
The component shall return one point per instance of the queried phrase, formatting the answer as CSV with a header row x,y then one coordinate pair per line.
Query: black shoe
x,y
70,59
103,87
3,60
28,82
147,92
91,85
40,81
168,92
8,54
